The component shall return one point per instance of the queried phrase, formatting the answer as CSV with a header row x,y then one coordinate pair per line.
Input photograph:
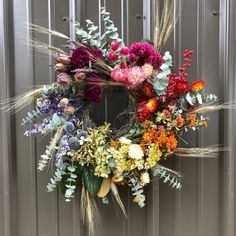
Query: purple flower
x,y
80,57
142,53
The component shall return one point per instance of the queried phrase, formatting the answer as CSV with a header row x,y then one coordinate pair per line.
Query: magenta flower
x,y
141,53
80,57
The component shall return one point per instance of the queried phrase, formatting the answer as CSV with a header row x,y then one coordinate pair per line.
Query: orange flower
x,y
162,139
197,86
168,142
171,143
148,90
180,121
151,105
114,144
150,135
204,123
137,199
165,113
147,123
192,119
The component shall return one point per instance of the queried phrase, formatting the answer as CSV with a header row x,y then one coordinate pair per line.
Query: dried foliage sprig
x,y
167,14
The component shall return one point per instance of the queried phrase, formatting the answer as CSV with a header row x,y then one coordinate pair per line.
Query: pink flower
x,y
112,56
148,70
124,51
63,58
119,75
79,76
135,76
114,46
63,78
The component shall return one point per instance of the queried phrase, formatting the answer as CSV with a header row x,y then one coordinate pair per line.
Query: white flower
x,y
144,178
135,151
124,140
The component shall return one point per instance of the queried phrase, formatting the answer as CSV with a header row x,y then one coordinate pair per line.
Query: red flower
x,y
197,86
114,46
177,87
112,56
152,105
148,90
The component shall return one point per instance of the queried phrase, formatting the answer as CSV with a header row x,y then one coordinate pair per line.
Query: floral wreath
x,y
163,104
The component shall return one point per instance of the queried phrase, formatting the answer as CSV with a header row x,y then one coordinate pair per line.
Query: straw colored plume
x,y
43,47
17,103
42,30
166,16
215,106
89,211
211,151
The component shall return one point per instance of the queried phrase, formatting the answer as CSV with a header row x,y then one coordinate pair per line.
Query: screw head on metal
x,y
214,12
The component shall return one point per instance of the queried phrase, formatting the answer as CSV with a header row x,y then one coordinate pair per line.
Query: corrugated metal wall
x,y
205,205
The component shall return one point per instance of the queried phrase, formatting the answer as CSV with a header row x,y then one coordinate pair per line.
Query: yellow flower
x,y
145,178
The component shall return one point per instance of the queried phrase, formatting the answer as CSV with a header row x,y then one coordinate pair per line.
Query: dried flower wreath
x,y
163,105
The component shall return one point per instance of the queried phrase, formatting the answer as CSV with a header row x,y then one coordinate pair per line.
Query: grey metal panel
x,y
205,205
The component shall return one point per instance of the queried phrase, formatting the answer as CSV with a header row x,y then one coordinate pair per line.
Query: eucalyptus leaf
x,y
189,98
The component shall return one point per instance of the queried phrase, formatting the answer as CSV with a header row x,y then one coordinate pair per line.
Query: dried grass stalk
x,y
175,173
43,47
117,197
42,30
89,211
215,106
211,151
165,22
17,103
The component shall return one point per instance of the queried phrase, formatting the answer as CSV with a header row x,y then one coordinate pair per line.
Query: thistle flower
x,y
69,127
73,143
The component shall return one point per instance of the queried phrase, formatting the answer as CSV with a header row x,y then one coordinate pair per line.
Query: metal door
x,y
205,205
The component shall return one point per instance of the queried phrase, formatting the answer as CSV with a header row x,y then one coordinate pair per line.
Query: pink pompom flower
x,y
111,56
114,46
135,76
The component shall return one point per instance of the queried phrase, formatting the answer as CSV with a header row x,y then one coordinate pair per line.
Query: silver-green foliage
x,y
71,182
58,175
92,37
30,116
167,176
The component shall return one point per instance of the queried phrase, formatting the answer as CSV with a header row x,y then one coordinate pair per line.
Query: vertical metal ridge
x,y
177,58
122,18
72,18
200,162
127,23
8,186
147,19
228,75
